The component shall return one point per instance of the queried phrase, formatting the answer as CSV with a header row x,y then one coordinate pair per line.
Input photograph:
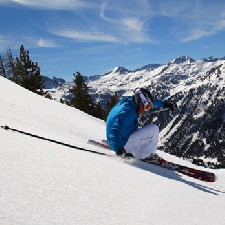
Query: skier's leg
x,y
143,141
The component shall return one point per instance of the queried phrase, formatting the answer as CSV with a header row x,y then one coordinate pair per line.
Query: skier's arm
x,y
164,104
158,103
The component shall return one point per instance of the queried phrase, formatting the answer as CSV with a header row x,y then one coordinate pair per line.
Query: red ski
x,y
191,172
100,144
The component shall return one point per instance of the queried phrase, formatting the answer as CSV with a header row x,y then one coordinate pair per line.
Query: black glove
x,y
170,105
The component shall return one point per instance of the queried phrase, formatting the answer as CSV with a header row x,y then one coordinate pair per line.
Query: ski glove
x,y
170,105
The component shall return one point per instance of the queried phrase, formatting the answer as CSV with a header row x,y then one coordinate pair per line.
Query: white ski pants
x,y
143,141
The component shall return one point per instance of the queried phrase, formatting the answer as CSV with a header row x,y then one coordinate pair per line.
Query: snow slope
x,y
45,183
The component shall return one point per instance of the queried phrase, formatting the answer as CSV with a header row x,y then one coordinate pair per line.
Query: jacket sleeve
x,y
115,135
158,103
118,134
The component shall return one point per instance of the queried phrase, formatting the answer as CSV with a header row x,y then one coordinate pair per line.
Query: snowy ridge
x,y
46,183
180,72
177,75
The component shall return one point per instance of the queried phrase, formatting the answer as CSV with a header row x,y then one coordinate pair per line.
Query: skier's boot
x,y
127,156
153,158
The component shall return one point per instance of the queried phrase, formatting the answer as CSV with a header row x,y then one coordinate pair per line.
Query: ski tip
x,y
210,177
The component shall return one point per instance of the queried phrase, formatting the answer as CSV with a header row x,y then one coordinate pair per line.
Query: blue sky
x,y
94,36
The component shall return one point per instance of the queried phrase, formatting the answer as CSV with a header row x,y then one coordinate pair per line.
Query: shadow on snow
x,y
170,174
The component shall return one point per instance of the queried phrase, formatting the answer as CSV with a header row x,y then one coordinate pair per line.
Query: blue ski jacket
x,y
122,121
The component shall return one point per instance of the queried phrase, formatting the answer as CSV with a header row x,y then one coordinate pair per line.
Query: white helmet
x,y
143,98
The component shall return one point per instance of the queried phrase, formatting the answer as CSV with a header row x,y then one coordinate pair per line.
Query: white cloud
x,y
220,24
118,35
196,34
190,20
132,20
51,4
85,36
133,24
46,43
125,22
123,16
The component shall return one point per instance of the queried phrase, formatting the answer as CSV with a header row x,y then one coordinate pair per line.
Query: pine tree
x,y
7,65
28,73
2,67
112,102
10,65
99,112
81,98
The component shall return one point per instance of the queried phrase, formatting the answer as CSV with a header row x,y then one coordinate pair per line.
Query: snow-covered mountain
x,y
198,86
54,82
177,74
45,183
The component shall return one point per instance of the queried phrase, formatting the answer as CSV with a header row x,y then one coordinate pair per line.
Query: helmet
x,y
143,98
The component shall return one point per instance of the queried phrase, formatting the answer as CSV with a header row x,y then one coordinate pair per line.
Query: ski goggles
x,y
146,104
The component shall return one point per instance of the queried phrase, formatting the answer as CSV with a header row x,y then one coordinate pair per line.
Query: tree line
x,y
82,100
24,72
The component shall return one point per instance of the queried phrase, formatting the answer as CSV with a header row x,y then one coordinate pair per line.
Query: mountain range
x,y
197,128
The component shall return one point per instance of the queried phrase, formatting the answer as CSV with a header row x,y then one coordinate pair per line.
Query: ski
x,y
188,171
102,144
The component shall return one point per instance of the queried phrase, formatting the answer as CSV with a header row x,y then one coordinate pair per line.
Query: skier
x,y
123,134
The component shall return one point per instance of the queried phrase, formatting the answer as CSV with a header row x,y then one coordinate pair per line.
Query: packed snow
x,y
46,183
